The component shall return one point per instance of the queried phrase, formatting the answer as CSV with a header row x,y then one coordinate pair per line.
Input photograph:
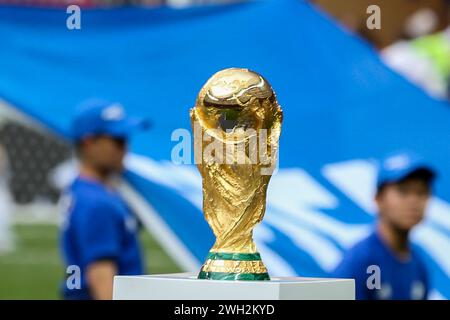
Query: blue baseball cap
x,y
100,117
398,166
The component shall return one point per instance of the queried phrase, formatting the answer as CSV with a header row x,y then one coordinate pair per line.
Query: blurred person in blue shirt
x,y
99,233
386,265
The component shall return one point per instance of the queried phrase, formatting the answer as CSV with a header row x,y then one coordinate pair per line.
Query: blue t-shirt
x,y
399,279
98,225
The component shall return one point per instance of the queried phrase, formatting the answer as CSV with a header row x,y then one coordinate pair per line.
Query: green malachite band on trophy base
x,y
233,276
234,256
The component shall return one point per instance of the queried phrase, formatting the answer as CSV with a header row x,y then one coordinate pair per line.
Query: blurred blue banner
x,y
343,109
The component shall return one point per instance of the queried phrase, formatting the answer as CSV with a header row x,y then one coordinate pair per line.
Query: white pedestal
x,y
186,286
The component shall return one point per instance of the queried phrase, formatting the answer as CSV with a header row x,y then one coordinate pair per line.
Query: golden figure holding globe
x,y
236,109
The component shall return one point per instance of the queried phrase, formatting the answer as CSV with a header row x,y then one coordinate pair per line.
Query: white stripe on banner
x,y
165,236
320,249
356,179
300,198
435,295
436,244
274,262
439,213
185,179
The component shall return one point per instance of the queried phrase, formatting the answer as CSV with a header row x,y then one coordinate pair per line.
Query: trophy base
x,y
233,266
186,286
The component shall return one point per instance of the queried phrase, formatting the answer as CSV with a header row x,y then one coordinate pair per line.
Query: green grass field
x,y
34,270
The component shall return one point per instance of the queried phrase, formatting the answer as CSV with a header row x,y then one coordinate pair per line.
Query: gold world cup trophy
x,y
239,121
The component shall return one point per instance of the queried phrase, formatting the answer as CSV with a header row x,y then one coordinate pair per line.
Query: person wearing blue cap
x,y
386,265
99,233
